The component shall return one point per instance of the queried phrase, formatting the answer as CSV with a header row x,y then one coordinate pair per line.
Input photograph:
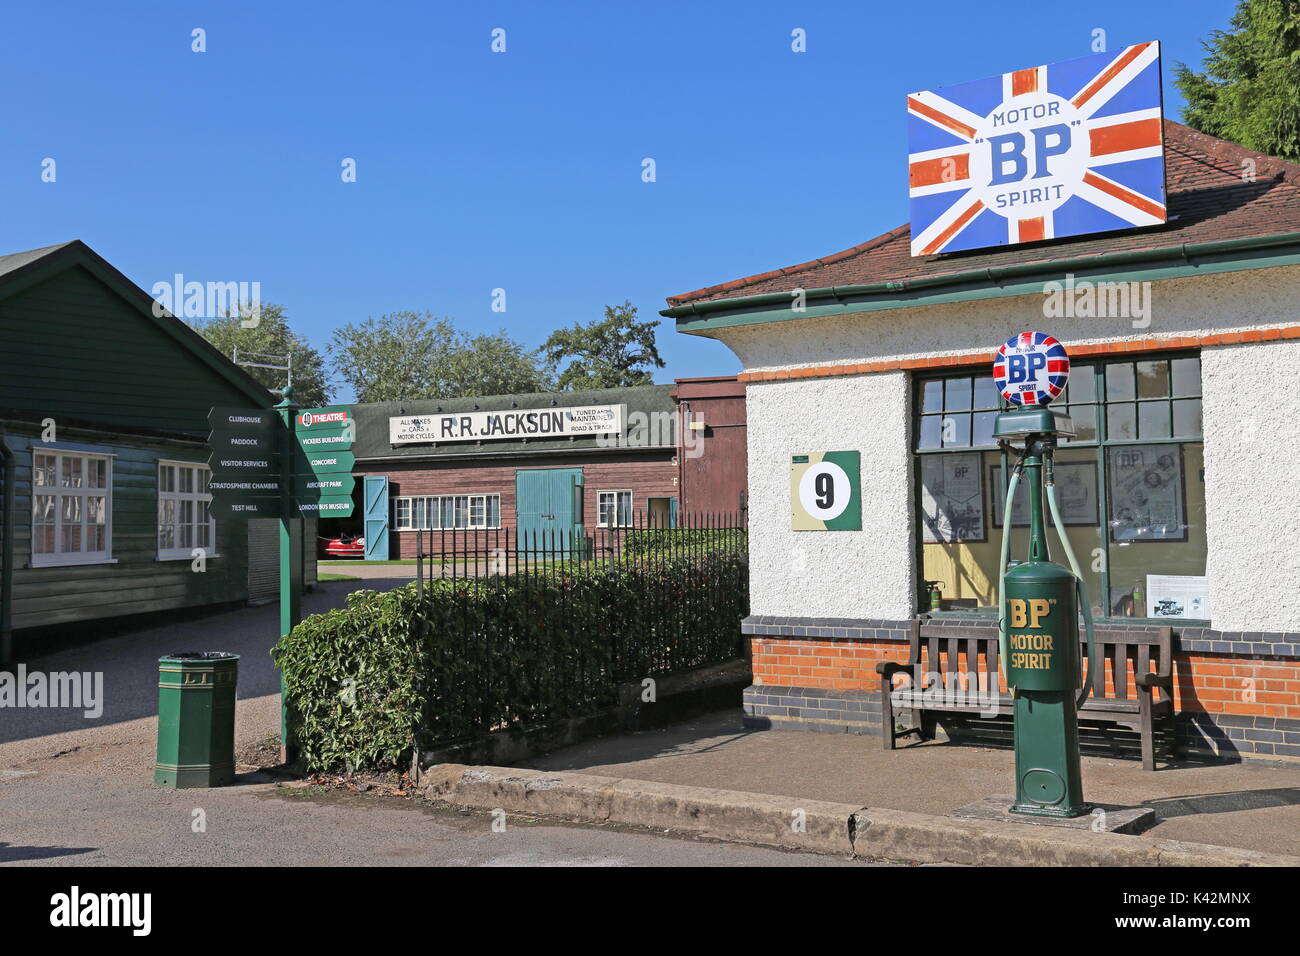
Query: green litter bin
x,y
196,719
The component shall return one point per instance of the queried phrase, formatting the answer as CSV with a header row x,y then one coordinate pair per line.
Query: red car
x,y
344,546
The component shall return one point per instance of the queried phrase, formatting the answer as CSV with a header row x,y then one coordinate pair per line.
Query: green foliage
x,y
496,653
1250,91
615,352
409,355
680,540
272,337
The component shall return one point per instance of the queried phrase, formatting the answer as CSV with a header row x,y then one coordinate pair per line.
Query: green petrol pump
x,y
1040,601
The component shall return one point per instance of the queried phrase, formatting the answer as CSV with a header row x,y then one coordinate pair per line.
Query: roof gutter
x,y
990,277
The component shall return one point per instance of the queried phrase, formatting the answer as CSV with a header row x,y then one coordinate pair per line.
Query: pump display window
x,y
1130,485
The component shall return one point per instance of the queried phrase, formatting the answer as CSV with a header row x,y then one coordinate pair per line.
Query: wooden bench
x,y
942,656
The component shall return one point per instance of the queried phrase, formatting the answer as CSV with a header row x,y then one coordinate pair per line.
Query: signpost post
x,y
286,463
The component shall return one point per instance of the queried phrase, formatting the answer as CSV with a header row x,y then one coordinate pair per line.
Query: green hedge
x,y
485,655
679,540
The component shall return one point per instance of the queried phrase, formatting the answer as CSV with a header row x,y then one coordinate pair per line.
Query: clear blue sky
x,y
478,170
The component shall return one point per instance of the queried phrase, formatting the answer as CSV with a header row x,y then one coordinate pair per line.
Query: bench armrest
x,y
890,668
1155,680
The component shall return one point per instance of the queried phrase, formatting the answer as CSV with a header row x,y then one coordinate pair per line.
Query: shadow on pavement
x,y
129,662
1229,802
12,854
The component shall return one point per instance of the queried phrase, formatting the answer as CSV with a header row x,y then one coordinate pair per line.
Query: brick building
x,y
888,355
547,464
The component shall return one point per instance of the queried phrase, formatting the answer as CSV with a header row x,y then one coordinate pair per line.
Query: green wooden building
x,y
103,423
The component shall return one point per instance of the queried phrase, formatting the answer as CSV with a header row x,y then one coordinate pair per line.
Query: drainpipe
x,y
7,556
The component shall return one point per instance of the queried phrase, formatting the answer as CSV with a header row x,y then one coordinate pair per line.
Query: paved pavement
x,y
1248,805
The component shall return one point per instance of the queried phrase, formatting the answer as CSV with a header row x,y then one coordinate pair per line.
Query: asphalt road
x,y
79,792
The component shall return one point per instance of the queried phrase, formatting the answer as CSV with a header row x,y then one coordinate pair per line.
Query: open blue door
x,y
374,498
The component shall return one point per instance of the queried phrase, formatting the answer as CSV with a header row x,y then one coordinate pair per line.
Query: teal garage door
x,y
375,512
548,509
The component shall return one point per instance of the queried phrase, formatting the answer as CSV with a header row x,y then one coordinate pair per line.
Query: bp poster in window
x,y
952,498
1145,492
826,491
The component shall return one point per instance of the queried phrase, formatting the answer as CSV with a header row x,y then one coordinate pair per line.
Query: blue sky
x,y
479,170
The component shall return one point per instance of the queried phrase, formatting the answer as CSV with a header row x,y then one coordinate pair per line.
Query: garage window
x,y
72,500
1130,485
446,512
184,521
614,509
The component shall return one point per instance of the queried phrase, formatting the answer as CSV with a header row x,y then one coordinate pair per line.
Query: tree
x,y
614,352
1250,91
409,355
272,337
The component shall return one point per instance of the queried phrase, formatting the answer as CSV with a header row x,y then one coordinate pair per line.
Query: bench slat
x,y
1119,670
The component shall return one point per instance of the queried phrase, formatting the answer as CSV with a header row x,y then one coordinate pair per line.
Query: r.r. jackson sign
x,y
512,423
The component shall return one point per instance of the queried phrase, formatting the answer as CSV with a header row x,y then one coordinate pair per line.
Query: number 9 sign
x,y
825,491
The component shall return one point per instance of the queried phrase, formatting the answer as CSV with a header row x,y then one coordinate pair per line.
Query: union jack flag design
x,y
1066,149
1031,369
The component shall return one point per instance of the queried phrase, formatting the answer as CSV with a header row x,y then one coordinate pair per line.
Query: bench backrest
x,y
947,650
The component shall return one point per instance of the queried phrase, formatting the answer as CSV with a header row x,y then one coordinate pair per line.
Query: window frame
x,y
442,505
180,553
59,558
600,511
1102,442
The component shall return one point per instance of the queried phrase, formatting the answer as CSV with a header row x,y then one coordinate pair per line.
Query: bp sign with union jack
x,y
1031,369
1065,149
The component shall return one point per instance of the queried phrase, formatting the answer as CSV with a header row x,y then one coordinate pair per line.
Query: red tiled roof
x,y
1208,200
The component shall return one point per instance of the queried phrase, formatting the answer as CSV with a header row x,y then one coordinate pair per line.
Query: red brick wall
x,y
1215,684
647,474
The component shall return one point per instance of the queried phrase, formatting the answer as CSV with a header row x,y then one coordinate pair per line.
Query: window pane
x,y
72,474
97,473
957,394
931,432
1083,384
462,511
1085,422
71,509
624,508
956,431
448,513
43,509
1153,419
1186,376
1187,418
1119,381
43,540
186,476
983,429
186,535
476,511
203,535
1152,379
418,516
986,393
166,478
71,539
43,470
1121,422
932,396
494,511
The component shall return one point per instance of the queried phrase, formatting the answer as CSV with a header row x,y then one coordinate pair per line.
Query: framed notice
x,y
1178,595
1145,492
952,498
826,491
1076,495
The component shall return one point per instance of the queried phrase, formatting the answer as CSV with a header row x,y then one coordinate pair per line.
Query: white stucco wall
x,y
1216,303
1252,495
852,574
1254,562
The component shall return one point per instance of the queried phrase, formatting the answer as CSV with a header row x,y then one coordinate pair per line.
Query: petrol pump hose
x,y
1003,648
1079,584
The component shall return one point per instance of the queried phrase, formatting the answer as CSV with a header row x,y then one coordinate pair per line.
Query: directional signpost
x,y
286,463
